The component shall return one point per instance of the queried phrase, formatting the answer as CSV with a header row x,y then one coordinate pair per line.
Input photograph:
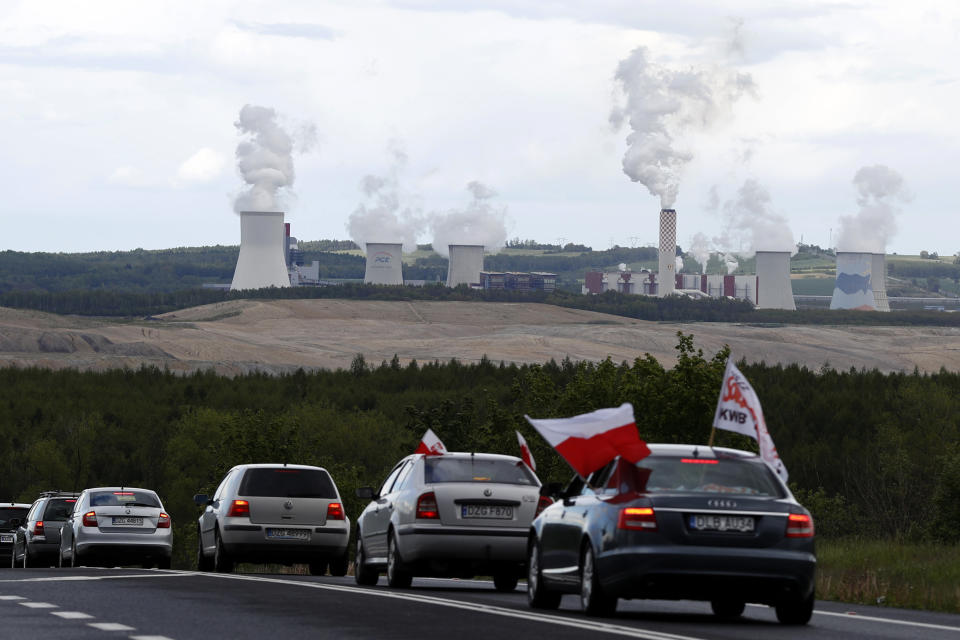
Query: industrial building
x,y
262,261
861,282
466,263
384,263
518,281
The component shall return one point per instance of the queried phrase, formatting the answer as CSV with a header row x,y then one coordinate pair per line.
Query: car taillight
x,y
799,525
637,519
38,528
90,519
542,504
427,506
163,522
335,511
239,509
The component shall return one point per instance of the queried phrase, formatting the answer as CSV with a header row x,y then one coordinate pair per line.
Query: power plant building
x,y
466,263
262,261
384,263
518,281
861,282
774,290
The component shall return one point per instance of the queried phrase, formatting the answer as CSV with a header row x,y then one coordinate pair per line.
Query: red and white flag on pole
x,y
525,452
430,445
739,410
591,440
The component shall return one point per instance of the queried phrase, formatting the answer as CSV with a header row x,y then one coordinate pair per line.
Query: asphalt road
x,y
153,605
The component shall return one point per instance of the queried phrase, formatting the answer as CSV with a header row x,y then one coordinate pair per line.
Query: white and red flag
x,y
591,440
739,410
525,452
430,445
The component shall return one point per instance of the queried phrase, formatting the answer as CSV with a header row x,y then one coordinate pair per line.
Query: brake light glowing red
x,y
542,504
637,519
123,493
69,500
38,528
239,509
90,519
163,521
427,506
698,461
335,511
799,525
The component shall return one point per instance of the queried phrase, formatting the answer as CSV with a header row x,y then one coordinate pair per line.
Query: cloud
x,y
128,177
203,166
290,30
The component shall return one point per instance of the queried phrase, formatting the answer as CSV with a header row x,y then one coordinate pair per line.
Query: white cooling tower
x,y
666,280
261,262
774,290
854,287
466,263
384,263
878,278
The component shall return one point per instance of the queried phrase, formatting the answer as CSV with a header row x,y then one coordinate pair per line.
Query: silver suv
x,y
283,513
38,539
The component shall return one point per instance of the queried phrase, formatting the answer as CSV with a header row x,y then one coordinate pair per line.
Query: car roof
x,y
119,489
275,465
475,455
698,450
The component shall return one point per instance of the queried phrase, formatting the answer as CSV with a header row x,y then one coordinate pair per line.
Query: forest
x,y
874,456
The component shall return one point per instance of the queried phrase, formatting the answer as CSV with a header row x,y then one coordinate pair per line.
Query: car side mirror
x,y
366,493
202,500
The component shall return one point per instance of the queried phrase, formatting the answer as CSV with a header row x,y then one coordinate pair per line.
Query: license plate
x,y
288,534
127,521
6,539
716,522
487,511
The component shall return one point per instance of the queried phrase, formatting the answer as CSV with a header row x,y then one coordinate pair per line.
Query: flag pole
x,y
713,431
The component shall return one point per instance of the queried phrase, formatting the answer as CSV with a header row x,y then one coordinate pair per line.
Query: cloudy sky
x,y
117,118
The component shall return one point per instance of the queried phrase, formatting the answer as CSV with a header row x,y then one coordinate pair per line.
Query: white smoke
x,y
480,223
384,218
730,262
701,248
869,230
678,264
751,224
663,104
265,158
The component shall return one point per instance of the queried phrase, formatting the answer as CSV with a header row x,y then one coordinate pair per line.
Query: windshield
x,y
288,483
124,499
672,474
9,513
440,469
59,508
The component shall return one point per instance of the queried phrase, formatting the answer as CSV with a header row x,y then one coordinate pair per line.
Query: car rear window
x,y
59,508
440,469
124,498
672,474
287,483
9,513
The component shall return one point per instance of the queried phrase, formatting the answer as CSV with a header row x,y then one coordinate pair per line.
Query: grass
x,y
889,573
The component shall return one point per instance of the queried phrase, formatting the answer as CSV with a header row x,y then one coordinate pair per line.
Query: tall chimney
x,y
466,263
668,252
261,262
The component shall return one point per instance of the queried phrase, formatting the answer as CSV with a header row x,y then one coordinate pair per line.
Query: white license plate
x,y
488,511
716,522
6,539
288,534
127,521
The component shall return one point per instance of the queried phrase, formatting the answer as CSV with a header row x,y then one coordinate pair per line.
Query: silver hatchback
x,y
451,515
283,513
117,526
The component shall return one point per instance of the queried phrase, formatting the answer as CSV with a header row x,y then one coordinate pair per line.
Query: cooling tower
x,y
466,263
774,290
384,263
668,252
878,278
261,262
854,289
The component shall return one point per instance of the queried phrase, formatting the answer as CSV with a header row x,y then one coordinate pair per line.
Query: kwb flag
x,y
591,440
739,410
431,445
525,452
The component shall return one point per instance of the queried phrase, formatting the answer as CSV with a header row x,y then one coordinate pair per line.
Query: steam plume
x,y
869,230
661,105
751,223
479,223
265,158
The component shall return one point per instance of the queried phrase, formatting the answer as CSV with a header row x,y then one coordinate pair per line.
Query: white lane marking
x,y
530,616
925,625
72,615
84,578
110,626
150,638
12,598
37,605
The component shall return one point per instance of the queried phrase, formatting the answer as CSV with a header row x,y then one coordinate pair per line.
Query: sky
x,y
117,118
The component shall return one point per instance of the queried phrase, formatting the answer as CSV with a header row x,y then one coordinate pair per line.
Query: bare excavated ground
x,y
283,335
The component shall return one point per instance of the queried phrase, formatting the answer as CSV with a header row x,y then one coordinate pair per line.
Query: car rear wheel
x,y
795,612
397,577
505,580
727,609
538,597
364,575
593,600
318,568
203,562
222,562
340,564
163,563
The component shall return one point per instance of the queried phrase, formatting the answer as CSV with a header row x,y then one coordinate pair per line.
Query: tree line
x,y
873,455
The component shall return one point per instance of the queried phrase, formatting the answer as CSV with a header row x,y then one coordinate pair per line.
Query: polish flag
x,y
525,452
430,445
591,440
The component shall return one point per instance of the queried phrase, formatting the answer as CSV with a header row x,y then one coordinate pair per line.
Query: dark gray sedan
x,y
687,522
